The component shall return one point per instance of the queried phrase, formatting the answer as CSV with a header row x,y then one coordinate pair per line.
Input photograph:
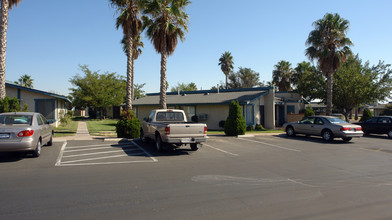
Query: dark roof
x,y
38,91
243,96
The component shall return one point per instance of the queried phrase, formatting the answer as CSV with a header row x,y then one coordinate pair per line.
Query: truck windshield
x,y
170,116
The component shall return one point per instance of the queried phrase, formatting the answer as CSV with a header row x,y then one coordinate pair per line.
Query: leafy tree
x,y
309,82
226,63
6,5
235,123
139,92
25,81
130,22
356,84
329,45
244,78
309,111
166,22
282,75
387,110
97,90
184,87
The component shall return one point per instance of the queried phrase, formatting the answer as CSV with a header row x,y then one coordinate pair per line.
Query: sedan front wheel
x,y
290,131
327,135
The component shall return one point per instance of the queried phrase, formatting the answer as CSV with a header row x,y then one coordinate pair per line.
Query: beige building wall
x,y
143,111
216,113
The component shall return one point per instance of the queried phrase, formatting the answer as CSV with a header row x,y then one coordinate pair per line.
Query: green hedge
x,y
235,123
128,126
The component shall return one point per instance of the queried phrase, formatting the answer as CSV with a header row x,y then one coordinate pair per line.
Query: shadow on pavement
x,y
315,139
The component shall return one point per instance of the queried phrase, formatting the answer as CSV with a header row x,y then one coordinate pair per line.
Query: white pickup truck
x,y
170,127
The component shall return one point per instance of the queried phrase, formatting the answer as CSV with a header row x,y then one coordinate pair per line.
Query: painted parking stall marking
x,y
271,145
101,154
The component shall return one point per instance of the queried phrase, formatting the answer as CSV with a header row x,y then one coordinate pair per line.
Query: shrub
x,y
10,105
367,114
259,127
249,128
235,122
308,111
128,126
70,113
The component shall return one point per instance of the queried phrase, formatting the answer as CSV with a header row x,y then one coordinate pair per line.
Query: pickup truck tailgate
x,y
186,130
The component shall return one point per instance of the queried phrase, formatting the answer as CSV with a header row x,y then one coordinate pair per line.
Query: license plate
x,y
4,136
187,140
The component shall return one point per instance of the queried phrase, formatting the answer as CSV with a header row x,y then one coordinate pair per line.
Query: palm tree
x,y
166,21
137,51
25,81
282,75
6,5
130,21
329,45
226,63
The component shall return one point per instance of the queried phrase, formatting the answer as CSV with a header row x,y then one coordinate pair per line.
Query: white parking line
x,y
88,149
97,145
223,151
148,154
104,152
100,158
271,145
58,161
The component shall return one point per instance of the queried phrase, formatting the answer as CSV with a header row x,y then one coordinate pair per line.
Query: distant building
x,y
50,105
259,105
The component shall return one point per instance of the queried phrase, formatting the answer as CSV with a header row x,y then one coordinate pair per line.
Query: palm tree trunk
x,y
133,80
162,96
329,92
3,42
226,79
128,101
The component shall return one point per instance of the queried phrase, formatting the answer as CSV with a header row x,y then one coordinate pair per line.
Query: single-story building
x,y
259,105
50,105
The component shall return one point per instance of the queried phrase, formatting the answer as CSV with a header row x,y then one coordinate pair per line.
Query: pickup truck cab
x,y
170,127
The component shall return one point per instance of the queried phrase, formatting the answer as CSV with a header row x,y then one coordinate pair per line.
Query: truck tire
x,y
142,137
158,143
194,147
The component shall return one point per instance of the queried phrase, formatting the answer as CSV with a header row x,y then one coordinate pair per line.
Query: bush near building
x,y
235,123
128,126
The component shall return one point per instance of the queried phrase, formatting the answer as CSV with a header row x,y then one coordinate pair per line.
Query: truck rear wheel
x,y
194,147
158,143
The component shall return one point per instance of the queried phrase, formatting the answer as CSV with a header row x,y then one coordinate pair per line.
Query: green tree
x,y
128,126
282,75
25,81
356,84
226,63
6,5
97,90
130,22
367,114
139,92
11,105
166,22
235,123
329,45
184,87
309,82
244,78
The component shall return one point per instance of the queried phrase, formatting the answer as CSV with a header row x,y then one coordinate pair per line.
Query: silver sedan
x,y
24,131
325,126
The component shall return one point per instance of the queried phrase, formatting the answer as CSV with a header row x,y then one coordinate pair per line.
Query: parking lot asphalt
x,y
260,177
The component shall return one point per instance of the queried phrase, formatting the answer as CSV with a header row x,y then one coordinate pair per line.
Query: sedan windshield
x,y
15,119
336,121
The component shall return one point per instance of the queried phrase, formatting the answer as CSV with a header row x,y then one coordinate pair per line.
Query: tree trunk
x,y
162,96
226,79
128,101
329,92
3,42
133,80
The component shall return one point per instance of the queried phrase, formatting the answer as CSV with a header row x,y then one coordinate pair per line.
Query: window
x,y
249,114
15,119
39,120
307,121
319,121
384,120
189,112
170,116
372,120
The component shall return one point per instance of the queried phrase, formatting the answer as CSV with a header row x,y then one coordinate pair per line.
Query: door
x,y
317,127
262,115
384,125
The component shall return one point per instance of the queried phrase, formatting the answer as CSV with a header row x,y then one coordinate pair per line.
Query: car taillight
x,y
167,130
205,130
345,129
26,133
358,129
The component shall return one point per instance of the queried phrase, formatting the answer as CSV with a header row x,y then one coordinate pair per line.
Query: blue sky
x,y
49,40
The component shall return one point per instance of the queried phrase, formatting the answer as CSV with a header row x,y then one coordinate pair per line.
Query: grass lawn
x,y
247,132
106,127
67,130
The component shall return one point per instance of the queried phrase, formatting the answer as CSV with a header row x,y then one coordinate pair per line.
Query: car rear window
x,y
16,119
336,121
170,116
